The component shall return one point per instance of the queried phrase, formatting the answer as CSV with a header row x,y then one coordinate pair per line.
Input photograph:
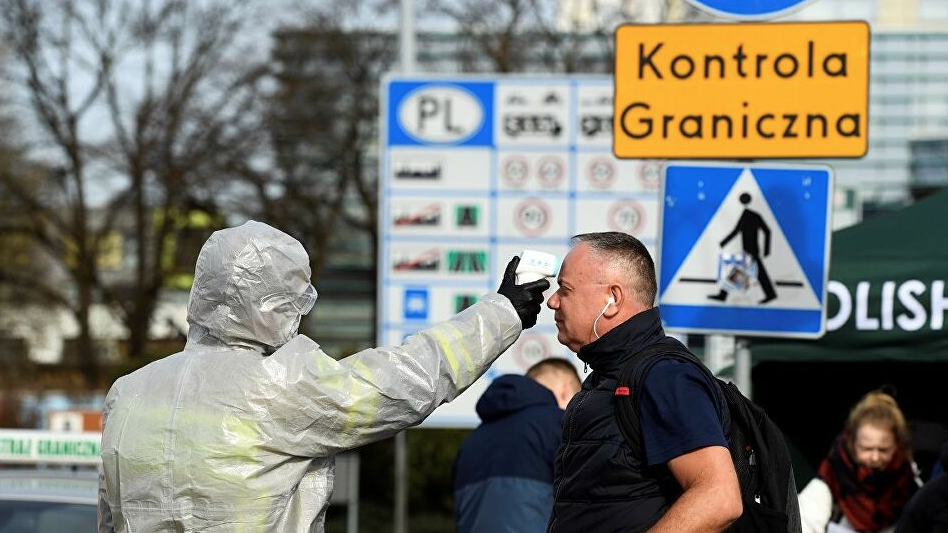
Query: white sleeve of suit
x,y
816,506
330,406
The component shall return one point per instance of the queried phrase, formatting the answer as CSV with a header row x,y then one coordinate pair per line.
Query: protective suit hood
x,y
221,439
251,287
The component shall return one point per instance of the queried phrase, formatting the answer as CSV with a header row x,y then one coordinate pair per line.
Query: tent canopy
x,y
887,298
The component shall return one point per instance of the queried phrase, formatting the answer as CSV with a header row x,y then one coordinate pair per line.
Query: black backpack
x,y
757,447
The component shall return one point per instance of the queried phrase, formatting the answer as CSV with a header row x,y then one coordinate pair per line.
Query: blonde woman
x,y
868,475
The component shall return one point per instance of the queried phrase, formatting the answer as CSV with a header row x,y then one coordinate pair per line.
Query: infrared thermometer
x,y
535,265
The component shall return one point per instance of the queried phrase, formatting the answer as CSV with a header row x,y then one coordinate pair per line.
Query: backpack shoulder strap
x,y
629,389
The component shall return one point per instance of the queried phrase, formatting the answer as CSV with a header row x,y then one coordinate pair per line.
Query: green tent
x,y
887,298
886,310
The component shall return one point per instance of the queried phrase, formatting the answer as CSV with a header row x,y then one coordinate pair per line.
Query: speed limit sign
x,y
626,216
532,217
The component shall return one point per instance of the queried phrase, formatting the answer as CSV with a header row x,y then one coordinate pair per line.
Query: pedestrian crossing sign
x,y
744,248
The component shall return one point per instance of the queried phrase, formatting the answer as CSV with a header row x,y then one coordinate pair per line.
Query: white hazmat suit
x,y
238,431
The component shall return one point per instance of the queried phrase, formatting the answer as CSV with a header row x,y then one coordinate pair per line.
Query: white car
x,y
56,500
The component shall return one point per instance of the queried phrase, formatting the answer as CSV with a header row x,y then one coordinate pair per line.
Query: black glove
x,y
525,298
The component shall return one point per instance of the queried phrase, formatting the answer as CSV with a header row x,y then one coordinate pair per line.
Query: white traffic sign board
x,y
476,169
744,249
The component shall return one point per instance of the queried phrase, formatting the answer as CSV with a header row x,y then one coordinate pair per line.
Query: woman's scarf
x,y
872,499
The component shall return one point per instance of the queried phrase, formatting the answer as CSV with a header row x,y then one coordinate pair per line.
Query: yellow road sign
x,y
762,90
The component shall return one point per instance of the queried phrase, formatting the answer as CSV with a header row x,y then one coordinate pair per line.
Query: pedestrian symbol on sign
x,y
736,271
744,248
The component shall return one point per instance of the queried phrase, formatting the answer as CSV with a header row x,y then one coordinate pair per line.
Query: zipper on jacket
x,y
567,439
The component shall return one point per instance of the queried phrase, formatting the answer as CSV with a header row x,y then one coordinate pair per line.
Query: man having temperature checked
x,y
685,479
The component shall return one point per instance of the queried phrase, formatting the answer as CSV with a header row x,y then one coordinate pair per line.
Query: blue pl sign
x,y
425,113
744,249
749,9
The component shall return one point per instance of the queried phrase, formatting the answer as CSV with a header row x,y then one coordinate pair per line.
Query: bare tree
x,y
132,101
564,36
318,176
528,35
19,255
496,28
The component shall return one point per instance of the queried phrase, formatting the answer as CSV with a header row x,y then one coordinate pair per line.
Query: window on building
x,y
929,164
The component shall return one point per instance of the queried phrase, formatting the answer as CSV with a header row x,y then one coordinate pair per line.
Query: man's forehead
x,y
577,252
581,261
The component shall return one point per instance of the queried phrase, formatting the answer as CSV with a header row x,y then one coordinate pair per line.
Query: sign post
x,y
744,248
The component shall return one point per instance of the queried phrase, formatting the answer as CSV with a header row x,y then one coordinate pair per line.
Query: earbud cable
x,y
596,333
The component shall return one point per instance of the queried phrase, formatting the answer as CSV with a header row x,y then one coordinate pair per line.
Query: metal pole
x,y
407,58
406,51
742,366
406,47
401,484
352,509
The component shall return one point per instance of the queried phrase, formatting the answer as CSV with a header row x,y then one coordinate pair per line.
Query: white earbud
x,y
610,301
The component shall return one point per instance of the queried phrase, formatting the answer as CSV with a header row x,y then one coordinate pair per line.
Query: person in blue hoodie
x,y
503,473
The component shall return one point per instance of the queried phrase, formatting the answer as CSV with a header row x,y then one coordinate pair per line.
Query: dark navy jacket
x,y
600,485
503,474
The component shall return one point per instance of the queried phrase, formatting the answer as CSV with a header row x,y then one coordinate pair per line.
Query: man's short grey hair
x,y
629,256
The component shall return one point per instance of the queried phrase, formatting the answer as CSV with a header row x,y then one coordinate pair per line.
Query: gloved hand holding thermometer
x,y
524,282
535,265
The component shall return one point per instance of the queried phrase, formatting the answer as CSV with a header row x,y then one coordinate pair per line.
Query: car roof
x,y
53,485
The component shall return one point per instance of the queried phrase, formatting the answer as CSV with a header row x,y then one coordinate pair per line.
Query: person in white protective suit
x,y
238,431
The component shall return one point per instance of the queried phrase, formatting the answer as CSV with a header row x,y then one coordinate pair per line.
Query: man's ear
x,y
617,297
564,393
